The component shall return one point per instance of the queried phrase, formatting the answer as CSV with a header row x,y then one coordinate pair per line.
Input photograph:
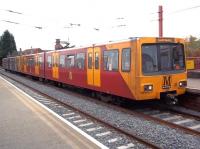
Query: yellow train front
x,y
161,72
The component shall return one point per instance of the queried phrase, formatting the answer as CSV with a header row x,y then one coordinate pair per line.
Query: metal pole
x,y
160,18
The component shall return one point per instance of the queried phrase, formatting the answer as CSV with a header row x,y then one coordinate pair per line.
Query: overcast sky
x,y
109,16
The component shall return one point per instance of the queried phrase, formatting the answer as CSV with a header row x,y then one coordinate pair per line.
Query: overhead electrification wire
x,y
7,21
185,9
176,11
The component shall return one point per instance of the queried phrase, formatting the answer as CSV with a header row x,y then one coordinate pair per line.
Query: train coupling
x,y
170,99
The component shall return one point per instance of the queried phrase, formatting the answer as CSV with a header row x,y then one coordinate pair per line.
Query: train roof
x,y
110,42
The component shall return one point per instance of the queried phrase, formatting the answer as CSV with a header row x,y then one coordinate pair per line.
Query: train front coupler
x,y
170,99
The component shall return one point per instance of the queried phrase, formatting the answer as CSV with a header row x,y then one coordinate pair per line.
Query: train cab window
x,y
80,60
70,61
62,61
111,59
49,61
89,60
178,57
149,58
96,60
126,59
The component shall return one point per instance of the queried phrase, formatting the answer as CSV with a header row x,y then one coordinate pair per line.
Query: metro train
x,y
141,68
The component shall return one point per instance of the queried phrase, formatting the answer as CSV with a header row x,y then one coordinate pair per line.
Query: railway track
x,y
148,114
191,99
174,119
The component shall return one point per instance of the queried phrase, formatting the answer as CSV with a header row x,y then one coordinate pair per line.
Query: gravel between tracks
x,y
161,135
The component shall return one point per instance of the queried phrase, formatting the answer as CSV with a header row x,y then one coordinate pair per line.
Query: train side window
x,y
32,61
80,60
40,61
89,60
126,59
49,61
111,58
62,61
96,60
70,61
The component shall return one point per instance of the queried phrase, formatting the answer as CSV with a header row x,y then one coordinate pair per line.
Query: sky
x,y
114,19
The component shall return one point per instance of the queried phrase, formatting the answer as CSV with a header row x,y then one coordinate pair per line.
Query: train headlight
x,y
148,88
182,83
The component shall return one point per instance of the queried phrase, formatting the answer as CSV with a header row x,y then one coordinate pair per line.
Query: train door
x,y
93,66
37,65
55,65
25,64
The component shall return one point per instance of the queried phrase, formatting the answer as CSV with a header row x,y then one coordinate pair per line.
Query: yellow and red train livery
x,y
137,69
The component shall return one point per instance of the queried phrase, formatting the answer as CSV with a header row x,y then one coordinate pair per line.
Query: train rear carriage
x,y
33,64
12,64
5,63
137,69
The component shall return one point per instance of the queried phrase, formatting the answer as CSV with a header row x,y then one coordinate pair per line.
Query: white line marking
x,y
195,127
130,145
114,140
73,117
61,118
79,121
41,97
103,134
68,114
171,118
47,102
183,121
93,129
87,124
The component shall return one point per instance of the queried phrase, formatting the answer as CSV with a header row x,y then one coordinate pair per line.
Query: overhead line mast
x,y
160,21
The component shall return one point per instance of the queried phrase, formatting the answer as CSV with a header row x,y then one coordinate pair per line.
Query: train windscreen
x,y
162,58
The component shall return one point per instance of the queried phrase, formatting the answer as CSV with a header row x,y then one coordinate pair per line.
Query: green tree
x,y
7,44
193,47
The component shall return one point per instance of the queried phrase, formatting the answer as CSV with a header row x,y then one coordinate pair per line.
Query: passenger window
x,y
96,60
49,61
62,61
70,61
111,60
89,60
80,60
126,59
40,61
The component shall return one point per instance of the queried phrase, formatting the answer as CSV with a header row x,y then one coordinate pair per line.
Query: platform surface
x,y
194,83
26,125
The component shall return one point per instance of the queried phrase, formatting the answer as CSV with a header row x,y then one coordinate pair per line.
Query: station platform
x,y
26,125
193,85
